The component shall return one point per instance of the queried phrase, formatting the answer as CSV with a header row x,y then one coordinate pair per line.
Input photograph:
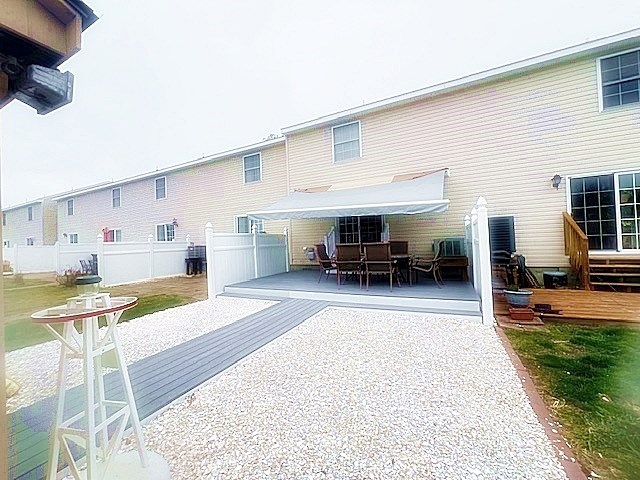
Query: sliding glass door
x,y
360,229
607,209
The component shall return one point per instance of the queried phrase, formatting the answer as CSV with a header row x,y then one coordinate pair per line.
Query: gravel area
x,y
35,368
354,394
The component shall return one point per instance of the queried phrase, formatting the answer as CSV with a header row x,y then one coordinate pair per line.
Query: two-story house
x,y
556,133
31,223
177,201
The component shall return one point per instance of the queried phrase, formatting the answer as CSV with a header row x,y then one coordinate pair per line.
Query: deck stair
x,y
615,272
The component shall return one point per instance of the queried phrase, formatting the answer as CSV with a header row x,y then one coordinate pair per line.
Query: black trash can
x,y
554,279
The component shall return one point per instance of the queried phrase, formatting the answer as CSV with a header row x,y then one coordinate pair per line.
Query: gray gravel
x,y
362,394
35,368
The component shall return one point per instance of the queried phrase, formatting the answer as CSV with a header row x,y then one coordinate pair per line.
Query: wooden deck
x,y
157,380
581,305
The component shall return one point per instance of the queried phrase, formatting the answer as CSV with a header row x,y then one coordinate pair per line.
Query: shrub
x,y
6,266
67,277
18,279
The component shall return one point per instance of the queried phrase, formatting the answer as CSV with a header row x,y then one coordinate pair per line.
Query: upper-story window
x,y
346,141
70,207
161,188
4,219
116,194
29,213
252,168
620,78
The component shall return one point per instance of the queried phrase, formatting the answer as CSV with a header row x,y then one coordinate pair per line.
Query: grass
x,y
590,377
21,302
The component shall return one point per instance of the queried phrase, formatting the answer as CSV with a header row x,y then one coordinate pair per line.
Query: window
x,y
165,232
29,213
607,209
620,79
346,142
70,207
244,225
115,197
4,219
161,188
360,229
73,238
113,235
30,241
252,168
6,243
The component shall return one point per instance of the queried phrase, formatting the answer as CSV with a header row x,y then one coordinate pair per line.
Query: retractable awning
x,y
390,195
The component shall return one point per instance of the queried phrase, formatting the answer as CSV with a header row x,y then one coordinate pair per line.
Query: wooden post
x,y
211,280
484,261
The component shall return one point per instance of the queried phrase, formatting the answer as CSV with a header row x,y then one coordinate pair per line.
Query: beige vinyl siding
x,y
212,192
18,226
503,140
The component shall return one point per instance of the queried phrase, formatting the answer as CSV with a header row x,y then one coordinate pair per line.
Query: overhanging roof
x,y
619,41
391,195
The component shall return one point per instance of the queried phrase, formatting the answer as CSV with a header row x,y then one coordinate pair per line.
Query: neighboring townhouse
x,y
174,202
31,223
551,134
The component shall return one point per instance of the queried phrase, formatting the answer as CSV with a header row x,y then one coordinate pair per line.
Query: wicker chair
x,y
377,261
429,265
326,264
348,260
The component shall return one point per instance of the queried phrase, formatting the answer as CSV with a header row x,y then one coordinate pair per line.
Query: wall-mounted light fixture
x,y
174,223
555,181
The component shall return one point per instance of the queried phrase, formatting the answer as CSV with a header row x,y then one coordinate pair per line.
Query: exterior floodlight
x,y
45,89
555,181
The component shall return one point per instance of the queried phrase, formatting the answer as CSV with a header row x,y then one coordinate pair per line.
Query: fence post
x,y
16,264
100,267
211,281
484,259
188,239
474,250
151,255
254,232
56,252
285,232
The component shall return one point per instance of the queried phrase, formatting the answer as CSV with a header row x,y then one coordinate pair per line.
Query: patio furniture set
x,y
379,258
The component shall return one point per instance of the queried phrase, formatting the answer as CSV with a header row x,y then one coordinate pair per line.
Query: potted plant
x,y
517,297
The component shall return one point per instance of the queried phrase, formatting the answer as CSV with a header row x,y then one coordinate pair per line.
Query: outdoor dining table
x,y
91,429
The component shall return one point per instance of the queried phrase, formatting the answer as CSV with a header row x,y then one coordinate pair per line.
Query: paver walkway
x,y
157,380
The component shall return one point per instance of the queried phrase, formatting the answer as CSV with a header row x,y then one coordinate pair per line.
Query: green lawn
x,y
590,377
21,302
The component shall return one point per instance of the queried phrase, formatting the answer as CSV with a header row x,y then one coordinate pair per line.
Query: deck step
x,y
616,284
614,265
614,274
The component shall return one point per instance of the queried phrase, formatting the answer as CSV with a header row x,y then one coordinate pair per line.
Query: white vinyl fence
x,y
238,257
479,252
118,262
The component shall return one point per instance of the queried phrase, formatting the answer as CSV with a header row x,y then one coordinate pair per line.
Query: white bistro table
x,y
89,430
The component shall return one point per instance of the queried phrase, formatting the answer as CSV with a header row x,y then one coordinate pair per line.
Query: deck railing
x,y
576,247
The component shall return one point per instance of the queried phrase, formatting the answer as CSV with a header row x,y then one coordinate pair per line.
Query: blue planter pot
x,y
518,298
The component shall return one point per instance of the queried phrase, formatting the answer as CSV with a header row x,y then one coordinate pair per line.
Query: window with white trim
x,y
116,194
113,235
245,225
30,241
252,165
29,213
4,219
620,79
161,188
607,209
6,243
165,232
346,141
73,238
70,207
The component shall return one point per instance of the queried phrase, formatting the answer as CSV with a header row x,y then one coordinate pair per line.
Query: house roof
x,y
618,41
253,148
22,205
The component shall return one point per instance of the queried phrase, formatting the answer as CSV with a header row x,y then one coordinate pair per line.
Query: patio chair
x,y
429,265
399,247
85,266
378,261
326,264
348,260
